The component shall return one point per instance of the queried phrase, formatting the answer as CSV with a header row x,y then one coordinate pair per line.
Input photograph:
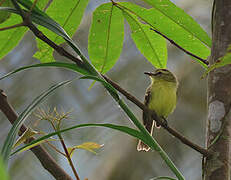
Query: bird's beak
x,y
149,73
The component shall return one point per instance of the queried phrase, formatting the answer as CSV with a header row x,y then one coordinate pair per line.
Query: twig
x,y
11,27
178,46
67,154
33,5
68,157
44,157
56,149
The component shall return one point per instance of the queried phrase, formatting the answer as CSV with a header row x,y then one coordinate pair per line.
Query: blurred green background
x,y
118,159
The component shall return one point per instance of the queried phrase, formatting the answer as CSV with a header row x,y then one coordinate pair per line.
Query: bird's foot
x,y
164,121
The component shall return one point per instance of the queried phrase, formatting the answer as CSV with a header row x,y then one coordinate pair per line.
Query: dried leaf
x,y
27,134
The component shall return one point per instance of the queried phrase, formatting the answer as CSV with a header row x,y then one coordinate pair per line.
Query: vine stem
x,y
68,157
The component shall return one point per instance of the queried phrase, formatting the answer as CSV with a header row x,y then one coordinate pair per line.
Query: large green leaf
x,y
170,28
150,44
8,144
175,14
124,129
106,37
69,16
10,38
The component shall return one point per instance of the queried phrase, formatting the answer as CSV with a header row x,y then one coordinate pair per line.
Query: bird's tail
x,y
141,146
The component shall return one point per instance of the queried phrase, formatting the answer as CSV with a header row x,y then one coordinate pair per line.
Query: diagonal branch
x,y
47,161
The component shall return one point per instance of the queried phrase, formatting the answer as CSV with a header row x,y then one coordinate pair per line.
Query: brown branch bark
x,y
44,157
217,167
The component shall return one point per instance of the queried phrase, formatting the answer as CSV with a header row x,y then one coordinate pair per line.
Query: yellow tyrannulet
x,y
161,97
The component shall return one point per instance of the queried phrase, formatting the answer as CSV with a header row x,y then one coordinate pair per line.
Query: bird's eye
x,y
158,73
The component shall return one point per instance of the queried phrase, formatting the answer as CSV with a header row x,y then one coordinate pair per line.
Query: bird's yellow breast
x,y
163,98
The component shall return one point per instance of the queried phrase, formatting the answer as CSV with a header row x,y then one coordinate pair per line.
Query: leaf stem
x,y
12,27
53,147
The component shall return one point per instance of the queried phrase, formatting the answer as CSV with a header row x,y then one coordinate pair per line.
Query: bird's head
x,y
162,75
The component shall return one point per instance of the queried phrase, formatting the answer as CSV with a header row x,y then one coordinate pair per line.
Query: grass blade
x,y
70,66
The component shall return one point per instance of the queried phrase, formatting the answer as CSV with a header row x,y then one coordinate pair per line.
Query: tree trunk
x,y
217,167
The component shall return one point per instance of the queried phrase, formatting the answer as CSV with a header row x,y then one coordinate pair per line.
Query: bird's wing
x,y
147,120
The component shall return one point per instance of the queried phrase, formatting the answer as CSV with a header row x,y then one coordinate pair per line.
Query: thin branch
x,y
67,154
47,5
47,161
68,157
11,27
33,5
56,149
160,121
178,46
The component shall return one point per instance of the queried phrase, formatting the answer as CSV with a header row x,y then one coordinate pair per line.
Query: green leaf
x,y
11,37
174,29
4,15
223,61
177,15
124,129
8,144
150,44
3,172
106,37
69,16
70,66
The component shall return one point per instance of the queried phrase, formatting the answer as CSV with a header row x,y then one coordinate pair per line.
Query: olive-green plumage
x,y
161,97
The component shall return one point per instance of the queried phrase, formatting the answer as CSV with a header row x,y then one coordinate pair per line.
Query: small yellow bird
x,y
161,97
